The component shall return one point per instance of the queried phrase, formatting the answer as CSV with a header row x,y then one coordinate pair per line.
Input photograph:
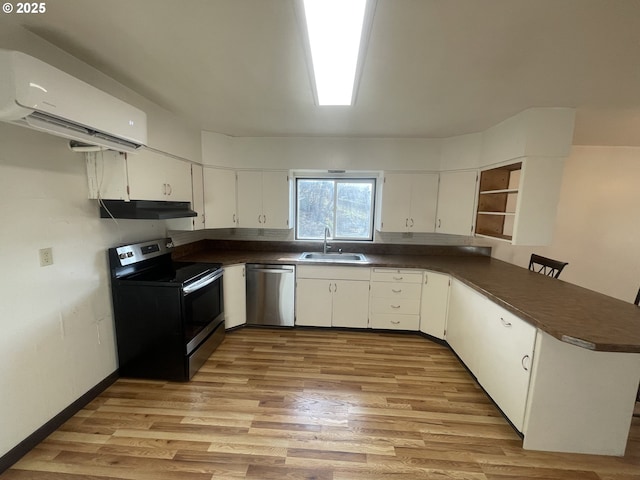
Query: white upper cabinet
x,y
517,202
220,198
197,204
153,176
456,199
263,199
408,202
145,175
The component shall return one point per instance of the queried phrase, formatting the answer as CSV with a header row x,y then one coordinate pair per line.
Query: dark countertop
x,y
568,312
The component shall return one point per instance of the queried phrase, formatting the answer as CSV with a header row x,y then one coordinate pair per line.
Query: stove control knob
x,y
129,254
122,256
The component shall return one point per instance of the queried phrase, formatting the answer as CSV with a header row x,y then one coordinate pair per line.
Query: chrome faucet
x,y
327,233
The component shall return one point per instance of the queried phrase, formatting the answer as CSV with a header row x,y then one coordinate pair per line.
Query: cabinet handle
x,y
406,222
329,288
505,323
243,272
170,189
411,223
164,188
394,306
526,357
396,291
439,223
234,218
264,219
259,218
335,287
395,322
397,278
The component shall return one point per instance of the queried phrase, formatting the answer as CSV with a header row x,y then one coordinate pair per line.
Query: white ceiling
x,y
434,68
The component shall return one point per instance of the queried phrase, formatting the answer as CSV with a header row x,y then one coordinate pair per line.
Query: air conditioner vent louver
x,y
59,122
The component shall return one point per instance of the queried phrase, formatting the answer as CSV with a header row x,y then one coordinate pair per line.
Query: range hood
x,y
145,209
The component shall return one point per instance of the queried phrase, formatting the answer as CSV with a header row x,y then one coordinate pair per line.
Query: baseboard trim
x,y
17,452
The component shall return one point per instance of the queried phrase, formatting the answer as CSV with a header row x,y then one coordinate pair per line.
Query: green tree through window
x,y
344,205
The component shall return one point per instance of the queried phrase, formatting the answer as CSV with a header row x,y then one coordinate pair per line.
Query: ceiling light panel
x,y
334,29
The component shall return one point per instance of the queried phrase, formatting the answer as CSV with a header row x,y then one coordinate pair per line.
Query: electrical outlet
x,y
46,256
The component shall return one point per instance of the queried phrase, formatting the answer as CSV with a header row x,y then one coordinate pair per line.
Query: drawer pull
x,y
397,278
505,323
395,306
395,322
396,291
526,367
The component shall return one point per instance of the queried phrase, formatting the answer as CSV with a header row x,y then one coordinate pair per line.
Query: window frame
x,y
338,177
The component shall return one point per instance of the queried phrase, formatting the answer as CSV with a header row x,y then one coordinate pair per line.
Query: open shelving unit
x,y
497,201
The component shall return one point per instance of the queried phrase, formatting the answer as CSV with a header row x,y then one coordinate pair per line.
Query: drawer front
x,y
401,306
396,322
395,290
396,275
333,273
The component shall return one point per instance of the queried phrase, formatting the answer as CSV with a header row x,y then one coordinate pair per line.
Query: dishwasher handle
x,y
270,269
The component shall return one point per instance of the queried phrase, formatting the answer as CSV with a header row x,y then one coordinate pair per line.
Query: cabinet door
x,y
178,179
350,304
396,198
456,199
506,369
424,200
435,300
250,199
219,198
147,176
465,329
313,302
275,199
197,203
235,296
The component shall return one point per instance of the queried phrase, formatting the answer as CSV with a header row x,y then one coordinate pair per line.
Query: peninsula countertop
x,y
570,313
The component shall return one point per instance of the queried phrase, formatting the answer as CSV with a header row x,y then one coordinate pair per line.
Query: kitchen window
x,y
344,205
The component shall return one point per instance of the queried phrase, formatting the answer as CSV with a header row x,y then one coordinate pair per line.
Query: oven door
x,y
203,309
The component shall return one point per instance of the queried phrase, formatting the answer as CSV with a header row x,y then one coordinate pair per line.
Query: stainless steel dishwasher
x,y
270,294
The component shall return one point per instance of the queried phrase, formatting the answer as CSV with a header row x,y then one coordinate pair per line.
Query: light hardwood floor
x,y
307,404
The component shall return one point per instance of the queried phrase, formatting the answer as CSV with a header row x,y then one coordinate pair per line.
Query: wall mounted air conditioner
x,y
37,95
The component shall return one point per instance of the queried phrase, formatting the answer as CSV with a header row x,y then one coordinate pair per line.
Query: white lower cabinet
x,y
506,365
495,345
332,296
434,305
395,298
465,324
235,296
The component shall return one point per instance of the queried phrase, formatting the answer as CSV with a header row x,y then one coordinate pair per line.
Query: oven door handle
x,y
203,282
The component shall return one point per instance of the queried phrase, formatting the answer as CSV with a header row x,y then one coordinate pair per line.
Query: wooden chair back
x,y
546,266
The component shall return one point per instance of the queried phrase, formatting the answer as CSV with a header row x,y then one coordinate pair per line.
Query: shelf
x,y
498,201
506,190
505,238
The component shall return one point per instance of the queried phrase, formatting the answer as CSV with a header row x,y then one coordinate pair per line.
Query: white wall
x,y
57,329
597,226
321,153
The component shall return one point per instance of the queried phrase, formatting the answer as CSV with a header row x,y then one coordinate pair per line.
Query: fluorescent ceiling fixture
x,y
335,30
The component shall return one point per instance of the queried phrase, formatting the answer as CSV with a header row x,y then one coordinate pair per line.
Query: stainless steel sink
x,y
333,257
